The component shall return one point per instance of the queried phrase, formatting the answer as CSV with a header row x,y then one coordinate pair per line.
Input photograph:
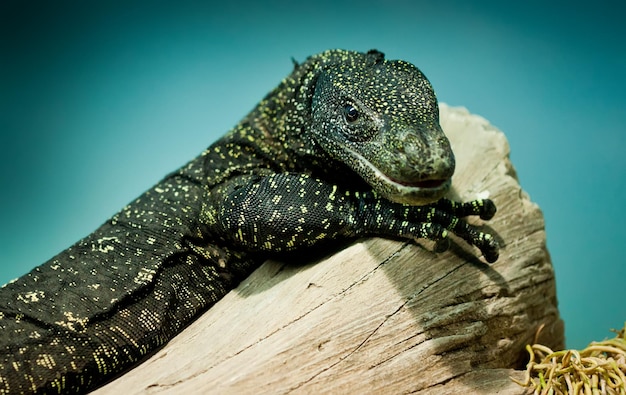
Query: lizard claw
x,y
488,209
488,246
442,245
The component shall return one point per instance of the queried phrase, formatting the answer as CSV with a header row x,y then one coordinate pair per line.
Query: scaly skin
x,y
349,145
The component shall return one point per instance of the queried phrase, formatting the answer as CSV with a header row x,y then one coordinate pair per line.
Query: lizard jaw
x,y
426,184
413,193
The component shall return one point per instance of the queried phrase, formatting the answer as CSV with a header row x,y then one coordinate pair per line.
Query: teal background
x,y
99,100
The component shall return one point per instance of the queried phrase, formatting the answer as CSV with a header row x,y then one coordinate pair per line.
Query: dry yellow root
x,y
598,369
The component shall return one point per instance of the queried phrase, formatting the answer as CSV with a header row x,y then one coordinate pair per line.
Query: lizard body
x,y
349,145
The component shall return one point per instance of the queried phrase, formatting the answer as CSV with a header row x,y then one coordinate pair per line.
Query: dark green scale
x,y
349,145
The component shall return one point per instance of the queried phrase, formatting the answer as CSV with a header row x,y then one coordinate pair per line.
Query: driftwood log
x,y
382,315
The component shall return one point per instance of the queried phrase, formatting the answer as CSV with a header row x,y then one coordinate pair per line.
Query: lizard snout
x,y
424,158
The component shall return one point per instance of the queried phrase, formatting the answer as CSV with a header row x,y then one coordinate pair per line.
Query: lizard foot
x,y
446,214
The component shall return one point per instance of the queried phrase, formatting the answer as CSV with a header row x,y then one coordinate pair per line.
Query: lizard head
x,y
381,119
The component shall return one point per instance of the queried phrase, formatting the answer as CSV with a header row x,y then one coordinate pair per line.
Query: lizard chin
x,y
416,193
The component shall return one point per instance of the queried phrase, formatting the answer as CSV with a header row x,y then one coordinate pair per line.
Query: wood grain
x,y
382,316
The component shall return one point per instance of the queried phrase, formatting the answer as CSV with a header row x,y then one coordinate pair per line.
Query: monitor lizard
x,y
348,145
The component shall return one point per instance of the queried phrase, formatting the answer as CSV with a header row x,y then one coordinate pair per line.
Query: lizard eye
x,y
350,113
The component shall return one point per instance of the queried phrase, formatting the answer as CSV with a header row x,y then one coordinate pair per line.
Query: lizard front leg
x,y
284,211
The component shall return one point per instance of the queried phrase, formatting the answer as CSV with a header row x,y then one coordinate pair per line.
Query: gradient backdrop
x,y
99,101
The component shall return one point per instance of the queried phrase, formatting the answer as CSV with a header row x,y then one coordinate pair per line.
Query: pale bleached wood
x,y
381,315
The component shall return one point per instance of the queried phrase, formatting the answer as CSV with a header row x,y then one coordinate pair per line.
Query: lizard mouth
x,y
426,184
410,192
